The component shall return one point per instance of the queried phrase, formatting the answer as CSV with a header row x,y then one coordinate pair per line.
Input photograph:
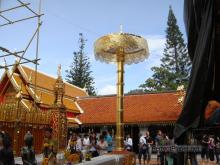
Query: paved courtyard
x,y
154,161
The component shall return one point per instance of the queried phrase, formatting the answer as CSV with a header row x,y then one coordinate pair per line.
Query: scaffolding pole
x,y
25,4
23,19
37,46
21,58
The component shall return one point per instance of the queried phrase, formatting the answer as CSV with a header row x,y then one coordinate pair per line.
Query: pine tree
x,y
79,73
175,67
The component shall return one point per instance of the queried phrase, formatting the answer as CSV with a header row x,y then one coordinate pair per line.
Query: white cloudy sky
x,y
64,20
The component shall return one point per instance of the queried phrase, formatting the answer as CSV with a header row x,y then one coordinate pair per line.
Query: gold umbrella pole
x,y
120,101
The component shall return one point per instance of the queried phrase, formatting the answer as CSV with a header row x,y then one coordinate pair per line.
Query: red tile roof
x,y
142,108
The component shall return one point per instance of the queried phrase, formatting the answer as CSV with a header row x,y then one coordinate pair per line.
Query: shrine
x,y
32,101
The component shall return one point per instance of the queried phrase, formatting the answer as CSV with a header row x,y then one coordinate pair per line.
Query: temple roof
x,y
46,81
23,80
138,108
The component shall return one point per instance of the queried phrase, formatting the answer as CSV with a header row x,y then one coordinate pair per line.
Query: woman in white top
x,y
77,144
102,145
86,142
128,143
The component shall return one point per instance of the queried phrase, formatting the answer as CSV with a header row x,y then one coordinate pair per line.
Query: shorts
x,y
142,152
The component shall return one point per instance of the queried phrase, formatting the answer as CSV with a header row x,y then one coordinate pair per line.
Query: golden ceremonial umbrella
x,y
121,48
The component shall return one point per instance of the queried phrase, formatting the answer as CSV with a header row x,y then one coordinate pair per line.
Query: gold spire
x,y
59,88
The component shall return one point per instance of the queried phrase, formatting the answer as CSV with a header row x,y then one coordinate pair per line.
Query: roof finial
x,y
121,28
30,77
59,70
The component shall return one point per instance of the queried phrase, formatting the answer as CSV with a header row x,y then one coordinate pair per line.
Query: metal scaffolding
x,y
20,55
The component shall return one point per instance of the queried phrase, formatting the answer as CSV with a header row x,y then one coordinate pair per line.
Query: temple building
x,y
150,111
29,104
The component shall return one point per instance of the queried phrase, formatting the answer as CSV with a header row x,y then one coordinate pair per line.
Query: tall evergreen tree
x,y
175,63
79,73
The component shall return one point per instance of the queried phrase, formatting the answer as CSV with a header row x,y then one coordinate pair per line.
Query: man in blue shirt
x,y
108,139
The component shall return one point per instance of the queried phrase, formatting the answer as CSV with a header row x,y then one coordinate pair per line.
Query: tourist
x,y
74,144
149,142
128,143
142,149
27,152
158,143
170,153
86,142
217,149
211,147
165,151
108,139
102,145
6,153
93,148
204,152
50,147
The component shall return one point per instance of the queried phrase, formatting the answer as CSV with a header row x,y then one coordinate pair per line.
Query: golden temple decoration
x,y
135,48
8,114
181,94
121,48
72,158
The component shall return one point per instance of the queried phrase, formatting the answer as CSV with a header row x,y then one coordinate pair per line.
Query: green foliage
x,y
136,91
175,64
79,72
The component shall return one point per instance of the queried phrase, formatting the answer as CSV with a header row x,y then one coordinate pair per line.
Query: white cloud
x,y
156,44
105,79
91,57
107,89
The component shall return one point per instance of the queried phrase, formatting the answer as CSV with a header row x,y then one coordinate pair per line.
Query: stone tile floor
x,y
154,162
